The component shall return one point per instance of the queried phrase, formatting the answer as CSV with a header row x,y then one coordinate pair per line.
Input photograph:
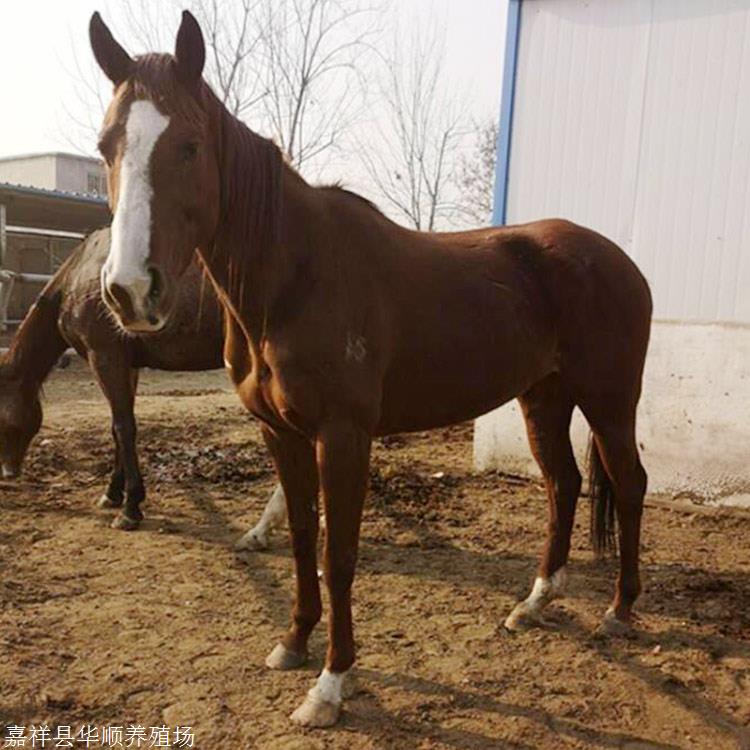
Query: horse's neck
x,y
38,344
249,279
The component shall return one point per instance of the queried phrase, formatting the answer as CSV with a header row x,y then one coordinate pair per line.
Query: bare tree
x,y
289,66
313,84
83,115
231,34
412,159
232,39
476,174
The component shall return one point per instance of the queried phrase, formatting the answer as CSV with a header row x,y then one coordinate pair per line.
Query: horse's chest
x,y
247,382
261,394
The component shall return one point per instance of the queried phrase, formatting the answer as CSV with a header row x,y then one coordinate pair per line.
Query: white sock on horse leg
x,y
542,593
274,515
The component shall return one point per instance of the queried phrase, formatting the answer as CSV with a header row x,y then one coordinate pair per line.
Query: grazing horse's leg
x,y
614,434
118,382
547,409
113,497
343,452
294,457
273,516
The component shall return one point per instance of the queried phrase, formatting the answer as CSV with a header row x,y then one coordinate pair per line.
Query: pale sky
x,y
40,39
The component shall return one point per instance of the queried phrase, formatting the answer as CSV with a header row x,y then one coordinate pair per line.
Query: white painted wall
x,y
633,118
693,420
73,173
33,171
67,172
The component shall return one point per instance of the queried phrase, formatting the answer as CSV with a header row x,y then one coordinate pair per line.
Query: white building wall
x,y
633,118
34,171
66,172
73,175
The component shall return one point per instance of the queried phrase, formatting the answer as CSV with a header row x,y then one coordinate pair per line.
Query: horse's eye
x,y
189,151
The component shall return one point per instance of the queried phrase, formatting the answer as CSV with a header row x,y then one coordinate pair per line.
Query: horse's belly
x,y
421,398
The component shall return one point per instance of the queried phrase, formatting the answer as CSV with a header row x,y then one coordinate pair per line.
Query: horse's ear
x,y
190,50
112,58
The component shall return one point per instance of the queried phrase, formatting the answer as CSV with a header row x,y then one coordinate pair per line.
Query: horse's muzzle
x,y
136,302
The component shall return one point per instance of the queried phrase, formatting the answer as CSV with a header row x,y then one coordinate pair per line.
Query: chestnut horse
x,y
69,312
342,325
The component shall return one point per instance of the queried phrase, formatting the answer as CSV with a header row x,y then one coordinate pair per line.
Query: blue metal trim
x,y
505,128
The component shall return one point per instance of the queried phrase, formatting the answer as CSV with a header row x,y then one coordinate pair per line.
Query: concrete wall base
x,y
693,419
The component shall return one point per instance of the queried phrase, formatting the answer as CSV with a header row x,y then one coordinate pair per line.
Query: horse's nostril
x,y
122,300
157,286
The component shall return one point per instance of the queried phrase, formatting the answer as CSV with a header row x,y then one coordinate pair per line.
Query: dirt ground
x,y
167,625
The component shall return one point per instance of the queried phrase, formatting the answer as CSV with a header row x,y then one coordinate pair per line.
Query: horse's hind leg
x,y
547,409
274,515
615,440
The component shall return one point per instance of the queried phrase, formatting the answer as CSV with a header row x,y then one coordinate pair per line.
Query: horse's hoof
x,y
106,502
613,625
316,712
253,541
282,658
522,617
125,523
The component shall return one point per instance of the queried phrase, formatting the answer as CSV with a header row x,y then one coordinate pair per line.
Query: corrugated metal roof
x,y
31,207
65,195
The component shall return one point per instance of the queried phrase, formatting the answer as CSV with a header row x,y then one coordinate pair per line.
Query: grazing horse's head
x,y
20,420
162,169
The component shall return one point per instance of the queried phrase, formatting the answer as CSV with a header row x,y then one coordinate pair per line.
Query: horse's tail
x,y
601,493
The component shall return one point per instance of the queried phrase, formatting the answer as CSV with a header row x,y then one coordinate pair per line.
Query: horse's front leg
x,y
343,455
118,382
115,492
135,491
294,457
273,516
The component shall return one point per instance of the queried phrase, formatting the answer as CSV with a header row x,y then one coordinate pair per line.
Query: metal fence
x,y
10,279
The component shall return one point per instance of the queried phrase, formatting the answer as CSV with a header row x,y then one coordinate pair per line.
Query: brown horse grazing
x,y
342,325
70,312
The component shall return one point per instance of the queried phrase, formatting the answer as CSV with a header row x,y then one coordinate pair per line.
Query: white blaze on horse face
x,y
131,225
